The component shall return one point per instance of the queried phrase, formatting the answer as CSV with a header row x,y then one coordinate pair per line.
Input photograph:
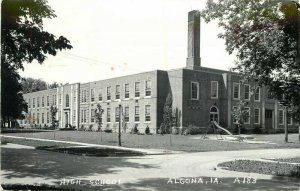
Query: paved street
x,y
25,165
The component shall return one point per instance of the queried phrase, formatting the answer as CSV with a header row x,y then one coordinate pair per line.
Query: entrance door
x,y
66,119
214,114
269,118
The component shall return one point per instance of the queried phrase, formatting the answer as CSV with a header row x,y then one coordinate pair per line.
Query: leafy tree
x,y
53,85
239,114
264,35
33,85
23,40
13,105
168,119
98,116
53,111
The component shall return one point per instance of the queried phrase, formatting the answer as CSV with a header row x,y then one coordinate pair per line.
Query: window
x,y
117,114
67,101
47,117
74,115
147,113
270,95
108,93
281,117
289,118
108,115
84,96
54,100
92,115
48,101
137,114
256,116
33,118
194,90
247,115
117,91
43,101
247,92
126,114
38,102
148,88
43,118
257,94
92,95
214,114
137,89
29,104
84,116
100,94
214,89
126,90
33,102
81,116
38,118
236,91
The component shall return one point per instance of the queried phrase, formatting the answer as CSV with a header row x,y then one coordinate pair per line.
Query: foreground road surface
x,y
184,171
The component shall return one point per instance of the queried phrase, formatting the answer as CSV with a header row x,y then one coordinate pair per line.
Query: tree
x,y
33,85
13,105
53,85
98,117
23,40
239,114
168,119
264,35
53,111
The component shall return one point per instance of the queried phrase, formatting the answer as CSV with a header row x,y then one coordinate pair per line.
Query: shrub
x,y
257,130
193,130
147,130
175,130
135,130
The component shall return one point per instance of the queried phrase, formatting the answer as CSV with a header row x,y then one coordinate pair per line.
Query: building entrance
x,y
269,119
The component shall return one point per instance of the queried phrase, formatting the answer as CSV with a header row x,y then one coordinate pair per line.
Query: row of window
x,y
35,119
137,92
43,104
268,114
214,91
125,114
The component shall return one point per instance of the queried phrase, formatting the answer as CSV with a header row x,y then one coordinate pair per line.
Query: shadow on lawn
x,y
21,163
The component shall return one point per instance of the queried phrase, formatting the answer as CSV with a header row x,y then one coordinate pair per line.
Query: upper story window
x,y
74,94
247,92
236,91
257,94
48,101
214,89
29,104
67,101
82,99
84,96
148,88
92,95
194,90
100,94
108,93
43,101
117,91
270,95
38,102
137,89
117,114
126,90
247,115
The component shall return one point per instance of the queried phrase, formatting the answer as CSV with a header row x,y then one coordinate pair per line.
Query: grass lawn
x,y
178,142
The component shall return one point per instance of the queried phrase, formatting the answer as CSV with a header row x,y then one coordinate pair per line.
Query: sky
x,y
112,38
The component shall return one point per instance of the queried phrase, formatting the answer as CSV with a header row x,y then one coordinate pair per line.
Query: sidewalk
x,y
145,151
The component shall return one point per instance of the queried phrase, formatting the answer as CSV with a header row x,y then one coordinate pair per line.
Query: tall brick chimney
x,y
193,56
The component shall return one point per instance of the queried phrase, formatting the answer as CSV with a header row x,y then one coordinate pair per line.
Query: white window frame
x,y
146,113
118,93
249,88
197,85
150,88
135,114
239,92
258,116
211,89
126,98
259,89
139,85
92,94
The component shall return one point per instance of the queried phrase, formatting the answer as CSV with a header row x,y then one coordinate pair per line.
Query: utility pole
x,y
120,114
285,125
